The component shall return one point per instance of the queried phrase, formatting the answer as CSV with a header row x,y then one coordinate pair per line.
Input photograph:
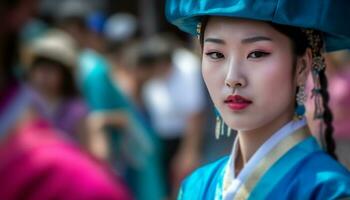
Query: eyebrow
x,y
255,39
244,41
215,40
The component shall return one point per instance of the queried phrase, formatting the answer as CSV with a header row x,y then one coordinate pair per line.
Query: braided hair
x,y
327,133
327,116
320,91
301,41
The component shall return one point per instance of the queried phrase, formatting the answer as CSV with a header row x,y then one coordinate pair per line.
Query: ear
x,y
303,67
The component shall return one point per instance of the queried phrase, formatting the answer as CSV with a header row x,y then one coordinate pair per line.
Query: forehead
x,y
235,27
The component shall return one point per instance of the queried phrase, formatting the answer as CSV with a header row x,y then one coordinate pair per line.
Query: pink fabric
x,y
339,89
36,165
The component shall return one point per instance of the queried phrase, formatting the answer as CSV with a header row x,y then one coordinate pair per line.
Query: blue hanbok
x,y
290,165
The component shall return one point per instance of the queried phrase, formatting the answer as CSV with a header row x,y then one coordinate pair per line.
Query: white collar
x,y
233,183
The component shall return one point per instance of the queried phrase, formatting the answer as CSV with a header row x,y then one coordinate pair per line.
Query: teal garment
x,y
328,16
138,143
304,172
97,87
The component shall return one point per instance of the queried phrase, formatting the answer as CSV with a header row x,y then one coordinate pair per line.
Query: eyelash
x,y
217,55
262,54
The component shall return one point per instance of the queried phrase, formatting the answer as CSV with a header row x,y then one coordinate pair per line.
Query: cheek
x,y
38,76
214,78
54,79
274,82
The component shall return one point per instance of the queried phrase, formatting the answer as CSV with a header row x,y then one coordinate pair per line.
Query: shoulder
x,y
321,176
321,164
316,176
327,169
199,182
205,171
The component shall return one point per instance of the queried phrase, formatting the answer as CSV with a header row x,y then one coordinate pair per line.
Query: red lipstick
x,y
236,102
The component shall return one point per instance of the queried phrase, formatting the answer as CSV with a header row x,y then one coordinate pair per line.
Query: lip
x,y
236,102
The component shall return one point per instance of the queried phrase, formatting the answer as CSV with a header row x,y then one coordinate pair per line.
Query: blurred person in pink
x,y
35,163
50,72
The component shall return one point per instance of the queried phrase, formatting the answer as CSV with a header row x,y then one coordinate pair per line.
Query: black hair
x,y
9,45
300,43
9,50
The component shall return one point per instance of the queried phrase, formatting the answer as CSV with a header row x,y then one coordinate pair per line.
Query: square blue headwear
x,y
329,16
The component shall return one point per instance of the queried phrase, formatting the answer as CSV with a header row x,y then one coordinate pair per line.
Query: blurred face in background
x,y
46,76
162,68
144,72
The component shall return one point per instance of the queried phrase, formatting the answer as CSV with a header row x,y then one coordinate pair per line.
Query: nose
x,y
234,77
233,84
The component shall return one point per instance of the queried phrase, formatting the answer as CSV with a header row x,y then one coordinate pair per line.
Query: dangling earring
x,y
198,30
301,97
220,127
228,134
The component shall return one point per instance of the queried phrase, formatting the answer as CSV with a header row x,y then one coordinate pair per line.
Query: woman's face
x,y
248,69
47,77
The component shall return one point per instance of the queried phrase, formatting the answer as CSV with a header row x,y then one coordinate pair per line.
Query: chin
x,y
240,124
245,123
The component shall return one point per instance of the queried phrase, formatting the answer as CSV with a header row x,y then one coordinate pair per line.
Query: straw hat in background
x,y
55,45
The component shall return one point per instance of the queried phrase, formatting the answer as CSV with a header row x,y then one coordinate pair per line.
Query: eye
x,y
257,54
215,55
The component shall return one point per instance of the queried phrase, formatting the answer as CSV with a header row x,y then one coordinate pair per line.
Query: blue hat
x,y
329,16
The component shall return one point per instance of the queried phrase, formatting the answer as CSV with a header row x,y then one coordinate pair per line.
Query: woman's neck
x,y
250,141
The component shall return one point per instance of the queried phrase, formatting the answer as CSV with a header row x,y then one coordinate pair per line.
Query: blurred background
x,y
117,81
122,85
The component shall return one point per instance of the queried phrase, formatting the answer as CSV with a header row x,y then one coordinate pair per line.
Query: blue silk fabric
x,y
328,16
304,172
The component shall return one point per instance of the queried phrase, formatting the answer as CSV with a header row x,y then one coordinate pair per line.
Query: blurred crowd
x,y
99,103
95,104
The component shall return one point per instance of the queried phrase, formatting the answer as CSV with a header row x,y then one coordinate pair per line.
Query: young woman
x,y
256,56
